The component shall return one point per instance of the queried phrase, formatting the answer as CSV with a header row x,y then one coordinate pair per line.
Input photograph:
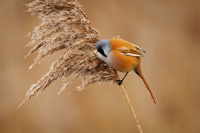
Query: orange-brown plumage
x,y
119,61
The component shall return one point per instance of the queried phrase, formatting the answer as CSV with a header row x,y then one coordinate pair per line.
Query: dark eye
x,y
100,50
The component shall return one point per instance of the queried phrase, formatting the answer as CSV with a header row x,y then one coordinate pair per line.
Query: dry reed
x,y
66,28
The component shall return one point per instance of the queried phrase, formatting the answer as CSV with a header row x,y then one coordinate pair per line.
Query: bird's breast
x,y
121,62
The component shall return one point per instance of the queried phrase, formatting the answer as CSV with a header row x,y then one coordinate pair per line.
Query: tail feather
x,y
138,71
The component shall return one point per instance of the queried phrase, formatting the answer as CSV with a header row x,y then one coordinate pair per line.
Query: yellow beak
x,y
95,51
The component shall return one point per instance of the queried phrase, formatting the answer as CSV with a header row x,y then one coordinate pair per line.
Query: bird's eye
x,y
100,50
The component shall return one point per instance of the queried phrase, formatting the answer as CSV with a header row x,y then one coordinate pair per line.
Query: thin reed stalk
x,y
132,109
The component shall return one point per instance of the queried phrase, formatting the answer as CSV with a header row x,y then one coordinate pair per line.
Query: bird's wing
x,y
130,54
138,48
134,51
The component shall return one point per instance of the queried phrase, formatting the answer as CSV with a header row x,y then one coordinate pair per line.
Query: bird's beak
x,y
95,51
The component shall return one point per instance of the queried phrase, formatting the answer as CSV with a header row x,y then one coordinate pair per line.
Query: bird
x,y
122,56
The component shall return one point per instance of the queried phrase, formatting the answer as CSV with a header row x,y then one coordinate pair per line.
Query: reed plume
x,y
66,28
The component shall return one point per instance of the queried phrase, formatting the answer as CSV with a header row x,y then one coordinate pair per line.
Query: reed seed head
x,y
65,27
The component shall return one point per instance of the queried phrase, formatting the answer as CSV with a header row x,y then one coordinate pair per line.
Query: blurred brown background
x,y
168,30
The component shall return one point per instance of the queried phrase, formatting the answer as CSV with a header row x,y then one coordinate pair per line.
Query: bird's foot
x,y
119,82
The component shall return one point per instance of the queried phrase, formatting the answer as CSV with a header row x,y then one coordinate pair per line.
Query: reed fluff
x,y
65,28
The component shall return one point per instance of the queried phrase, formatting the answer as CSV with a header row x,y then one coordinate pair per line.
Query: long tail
x,y
138,71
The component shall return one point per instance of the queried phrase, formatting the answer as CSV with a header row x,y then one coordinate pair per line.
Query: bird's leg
x,y
119,82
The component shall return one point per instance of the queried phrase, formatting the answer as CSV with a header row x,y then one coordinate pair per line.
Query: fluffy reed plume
x,y
66,28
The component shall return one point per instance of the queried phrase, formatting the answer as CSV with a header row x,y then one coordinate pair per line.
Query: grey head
x,y
103,47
